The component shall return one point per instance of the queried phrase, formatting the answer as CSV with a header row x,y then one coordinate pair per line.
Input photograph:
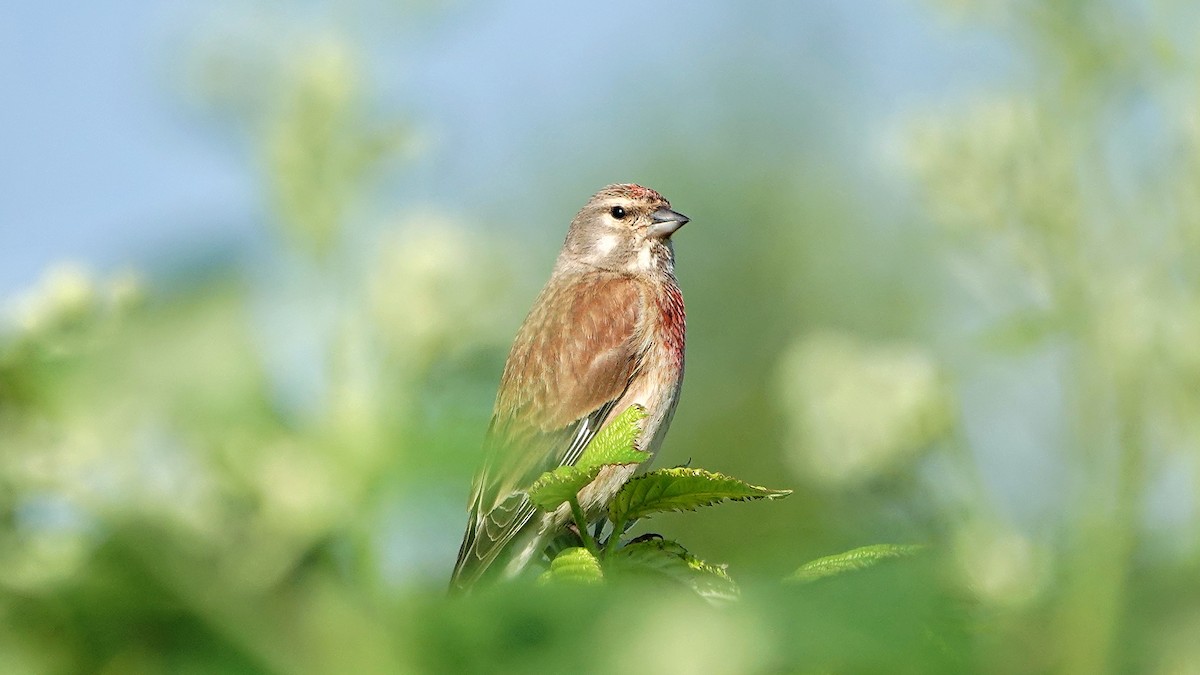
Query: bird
x,y
607,332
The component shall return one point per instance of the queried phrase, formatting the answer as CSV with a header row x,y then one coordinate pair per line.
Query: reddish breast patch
x,y
674,320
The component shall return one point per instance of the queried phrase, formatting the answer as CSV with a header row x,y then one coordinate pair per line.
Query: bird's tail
x,y
501,542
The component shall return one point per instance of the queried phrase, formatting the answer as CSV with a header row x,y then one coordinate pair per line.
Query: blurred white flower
x,y
1001,168
1145,331
857,410
437,288
999,565
66,290
68,294
1142,323
313,145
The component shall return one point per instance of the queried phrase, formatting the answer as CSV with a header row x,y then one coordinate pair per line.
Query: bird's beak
x,y
666,222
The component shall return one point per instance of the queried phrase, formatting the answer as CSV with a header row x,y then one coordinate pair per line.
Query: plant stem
x,y
581,523
613,538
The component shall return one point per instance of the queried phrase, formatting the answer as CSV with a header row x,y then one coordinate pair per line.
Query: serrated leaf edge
x,y
684,473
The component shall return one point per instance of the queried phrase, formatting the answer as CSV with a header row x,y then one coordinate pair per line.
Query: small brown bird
x,y
605,333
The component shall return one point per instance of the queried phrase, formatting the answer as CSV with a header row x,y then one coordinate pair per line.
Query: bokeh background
x,y
260,264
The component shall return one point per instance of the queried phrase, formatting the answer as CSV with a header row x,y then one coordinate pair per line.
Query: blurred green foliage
x,y
263,468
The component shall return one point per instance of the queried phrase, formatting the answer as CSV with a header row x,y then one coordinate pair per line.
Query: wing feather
x,y
572,360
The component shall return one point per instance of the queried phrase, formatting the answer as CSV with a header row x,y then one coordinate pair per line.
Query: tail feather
x,y
490,538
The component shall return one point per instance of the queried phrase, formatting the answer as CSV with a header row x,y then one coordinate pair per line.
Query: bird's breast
x,y
661,373
673,321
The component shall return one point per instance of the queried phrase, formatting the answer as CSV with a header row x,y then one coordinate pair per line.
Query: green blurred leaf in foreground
x,y
852,560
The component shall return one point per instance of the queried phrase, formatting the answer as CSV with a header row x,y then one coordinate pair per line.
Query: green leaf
x,y
665,558
614,444
553,488
574,566
681,489
852,560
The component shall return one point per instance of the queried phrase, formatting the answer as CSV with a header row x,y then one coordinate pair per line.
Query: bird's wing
x,y
574,357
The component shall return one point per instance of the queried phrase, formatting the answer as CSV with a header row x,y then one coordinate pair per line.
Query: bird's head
x,y
623,228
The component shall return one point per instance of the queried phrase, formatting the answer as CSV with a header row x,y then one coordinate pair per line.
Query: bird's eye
x,y
617,212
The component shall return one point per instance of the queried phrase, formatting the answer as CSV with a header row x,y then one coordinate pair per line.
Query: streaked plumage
x,y
605,333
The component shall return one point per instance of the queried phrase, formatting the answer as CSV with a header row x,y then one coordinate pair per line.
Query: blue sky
x,y
105,164
100,167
